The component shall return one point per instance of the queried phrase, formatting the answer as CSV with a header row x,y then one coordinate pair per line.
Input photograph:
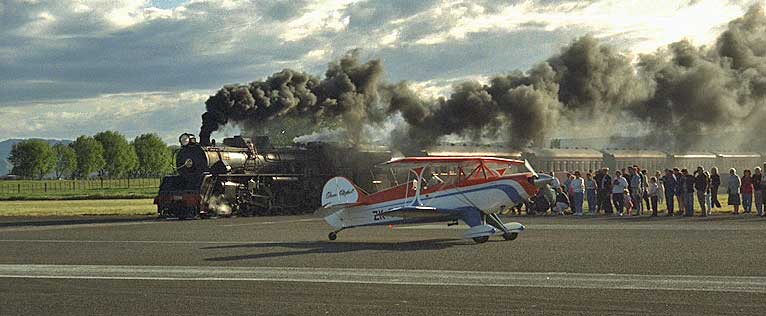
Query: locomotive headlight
x,y
188,163
184,139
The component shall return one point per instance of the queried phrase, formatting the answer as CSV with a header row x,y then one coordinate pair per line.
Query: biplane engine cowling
x,y
541,180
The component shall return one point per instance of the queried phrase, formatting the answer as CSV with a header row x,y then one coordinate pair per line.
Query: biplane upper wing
x,y
417,162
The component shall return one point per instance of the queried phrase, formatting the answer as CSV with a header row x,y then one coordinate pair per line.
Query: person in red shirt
x,y
747,191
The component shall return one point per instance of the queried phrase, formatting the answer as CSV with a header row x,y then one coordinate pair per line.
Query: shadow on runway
x,y
325,247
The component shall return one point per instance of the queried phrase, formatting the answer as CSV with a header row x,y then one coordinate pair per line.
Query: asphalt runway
x,y
286,266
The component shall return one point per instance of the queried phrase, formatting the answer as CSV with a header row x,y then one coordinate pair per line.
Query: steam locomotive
x,y
245,177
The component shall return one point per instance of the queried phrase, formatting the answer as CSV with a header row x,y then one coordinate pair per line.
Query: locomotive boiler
x,y
251,177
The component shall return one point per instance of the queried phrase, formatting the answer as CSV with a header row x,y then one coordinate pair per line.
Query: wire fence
x,y
43,186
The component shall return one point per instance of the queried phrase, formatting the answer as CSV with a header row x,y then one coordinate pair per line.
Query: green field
x,y
14,190
78,208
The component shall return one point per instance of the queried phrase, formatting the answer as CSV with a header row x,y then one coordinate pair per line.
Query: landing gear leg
x,y
334,235
495,221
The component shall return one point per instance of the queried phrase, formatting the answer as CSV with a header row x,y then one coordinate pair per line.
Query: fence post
x,y
19,184
128,182
46,186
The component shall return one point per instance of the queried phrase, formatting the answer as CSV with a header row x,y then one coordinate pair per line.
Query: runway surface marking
x,y
389,276
73,226
275,222
626,226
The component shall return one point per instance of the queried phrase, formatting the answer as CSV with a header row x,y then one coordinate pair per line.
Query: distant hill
x,y
7,145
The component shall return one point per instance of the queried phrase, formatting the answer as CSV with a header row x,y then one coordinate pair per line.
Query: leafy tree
x,y
90,155
32,158
119,156
66,161
154,156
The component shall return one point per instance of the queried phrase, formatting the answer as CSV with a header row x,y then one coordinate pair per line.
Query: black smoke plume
x,y
584,81
349,93
703,91
674,95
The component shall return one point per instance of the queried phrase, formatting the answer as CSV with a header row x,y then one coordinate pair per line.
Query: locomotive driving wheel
x,y
263,201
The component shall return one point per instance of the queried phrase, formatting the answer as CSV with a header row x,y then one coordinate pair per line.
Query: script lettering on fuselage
x,y
330,195
344,192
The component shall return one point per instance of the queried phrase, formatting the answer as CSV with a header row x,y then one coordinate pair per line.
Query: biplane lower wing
x,y
420,212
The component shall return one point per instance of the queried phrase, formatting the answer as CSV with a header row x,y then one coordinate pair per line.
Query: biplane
x,y
472,190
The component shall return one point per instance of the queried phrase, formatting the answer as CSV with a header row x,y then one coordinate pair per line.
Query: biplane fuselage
x,y
446,189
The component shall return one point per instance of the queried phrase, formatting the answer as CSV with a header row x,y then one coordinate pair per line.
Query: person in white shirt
x,y
556,184
619,184
577,188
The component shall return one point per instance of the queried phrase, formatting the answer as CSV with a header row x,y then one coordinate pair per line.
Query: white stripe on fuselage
x,y
485,196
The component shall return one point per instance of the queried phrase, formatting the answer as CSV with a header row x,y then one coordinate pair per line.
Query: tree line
x,y
106,154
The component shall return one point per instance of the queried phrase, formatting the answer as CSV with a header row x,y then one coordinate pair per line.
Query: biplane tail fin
x,y
340,191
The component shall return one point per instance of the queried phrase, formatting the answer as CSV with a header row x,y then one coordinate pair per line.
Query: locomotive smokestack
x,y
204,138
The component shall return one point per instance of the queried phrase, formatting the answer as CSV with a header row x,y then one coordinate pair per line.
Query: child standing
x,y
627,202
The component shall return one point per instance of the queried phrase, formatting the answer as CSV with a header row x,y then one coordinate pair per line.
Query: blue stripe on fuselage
x,y
471,216
508,189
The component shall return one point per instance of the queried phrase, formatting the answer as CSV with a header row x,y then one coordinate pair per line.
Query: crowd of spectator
x,y
633,191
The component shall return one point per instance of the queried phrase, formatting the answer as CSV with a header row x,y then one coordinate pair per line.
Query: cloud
x,y
167,114
75,57
651,24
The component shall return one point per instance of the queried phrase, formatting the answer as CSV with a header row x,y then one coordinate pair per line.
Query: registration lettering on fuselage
x,y
378,215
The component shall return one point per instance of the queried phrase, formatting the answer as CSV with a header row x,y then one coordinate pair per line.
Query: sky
x,y
74,67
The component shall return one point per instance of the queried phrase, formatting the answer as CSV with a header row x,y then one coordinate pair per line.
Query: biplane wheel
x,y
332,236
481,240
510,236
